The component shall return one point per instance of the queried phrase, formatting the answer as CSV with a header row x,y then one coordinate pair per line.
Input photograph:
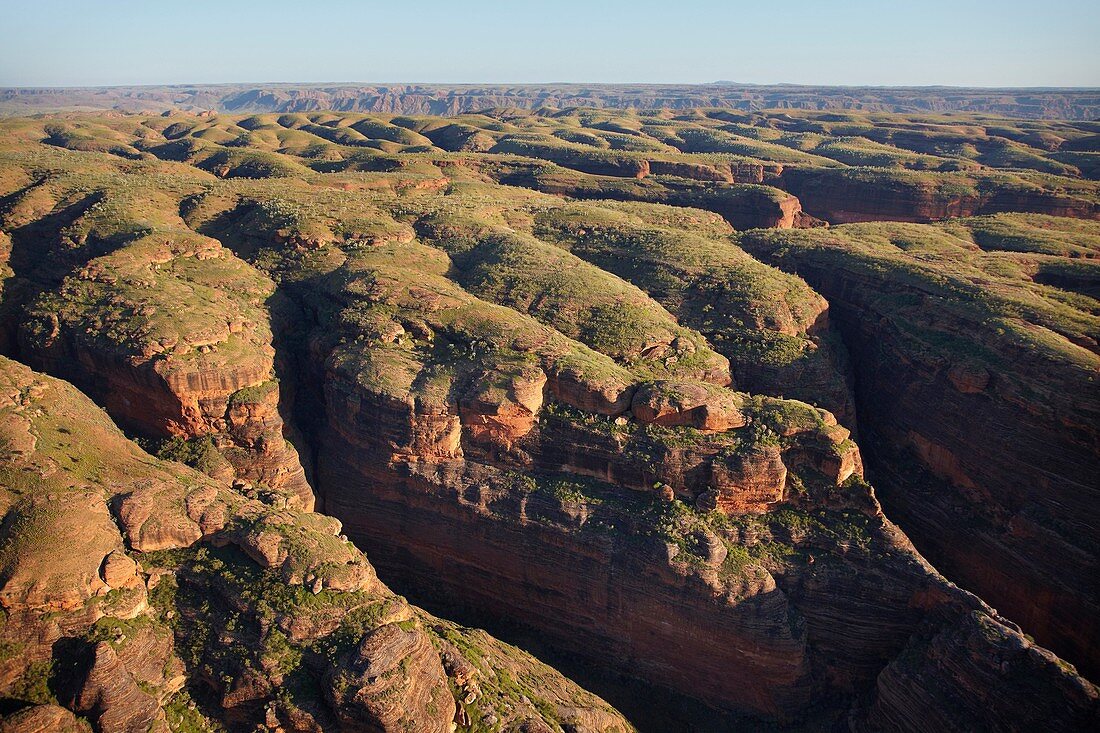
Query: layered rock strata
x,y
977,402
538,408
164,600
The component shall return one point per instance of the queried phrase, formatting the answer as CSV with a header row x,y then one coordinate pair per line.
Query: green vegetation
x,y
33,686
254,394
198,453
507,288
585,303
183,716
218,591
962,265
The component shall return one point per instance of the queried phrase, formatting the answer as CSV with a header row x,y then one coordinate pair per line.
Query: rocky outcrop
x,y
733,172
502,422
910,692
480,553
43,719
772,327
251,598
687,404
743,206
512,554
941,393
514,547
601,162
570,388
112,698
753,482
62,579
393,680
175,369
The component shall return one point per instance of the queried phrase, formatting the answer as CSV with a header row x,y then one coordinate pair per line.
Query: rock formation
x,y
944,343
529,364
143,595
853,195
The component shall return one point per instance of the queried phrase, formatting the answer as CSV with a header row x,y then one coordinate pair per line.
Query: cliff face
x,y
845,196
571,416
166,600
744,206
591,569
433,426
941,395
169,331
603,598
911,694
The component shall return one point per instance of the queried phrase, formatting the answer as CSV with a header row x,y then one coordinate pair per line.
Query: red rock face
x,y
905,692
77,563
503,421
685,404
470,538
435,518
463,530
841,199
167,398
1007,461
393,680
744,207
749,483
781,213
43,719
466,533
612,399
112,696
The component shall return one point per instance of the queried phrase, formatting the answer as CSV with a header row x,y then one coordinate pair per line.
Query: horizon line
x,y
719,83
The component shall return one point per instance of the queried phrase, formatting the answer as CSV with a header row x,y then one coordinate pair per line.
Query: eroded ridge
x,y
560,396
141,594
990,322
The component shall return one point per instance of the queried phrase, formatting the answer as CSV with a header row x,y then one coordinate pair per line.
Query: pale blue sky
x,y
955,42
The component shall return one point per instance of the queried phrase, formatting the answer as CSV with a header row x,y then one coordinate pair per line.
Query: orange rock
x,y
751,482
968,378
941,460
393,680
501,414
689,404
43,719
119,571
111,696
612,398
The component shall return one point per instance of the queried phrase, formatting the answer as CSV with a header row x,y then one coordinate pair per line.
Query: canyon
x,y
956,480
691,395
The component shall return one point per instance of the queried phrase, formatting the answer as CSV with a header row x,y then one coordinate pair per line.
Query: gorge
x,y
689,394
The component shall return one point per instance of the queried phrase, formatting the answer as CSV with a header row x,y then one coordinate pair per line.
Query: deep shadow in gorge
x,y
652,709
973,503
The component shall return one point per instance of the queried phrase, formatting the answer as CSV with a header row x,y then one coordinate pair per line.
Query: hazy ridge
x,y
441,99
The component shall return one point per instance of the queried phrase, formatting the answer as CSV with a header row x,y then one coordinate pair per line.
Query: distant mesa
x,y
441,99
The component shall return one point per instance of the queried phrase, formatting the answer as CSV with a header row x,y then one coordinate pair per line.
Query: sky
x,y
846,42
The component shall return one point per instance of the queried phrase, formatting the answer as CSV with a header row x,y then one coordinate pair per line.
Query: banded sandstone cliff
x,y
555,389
